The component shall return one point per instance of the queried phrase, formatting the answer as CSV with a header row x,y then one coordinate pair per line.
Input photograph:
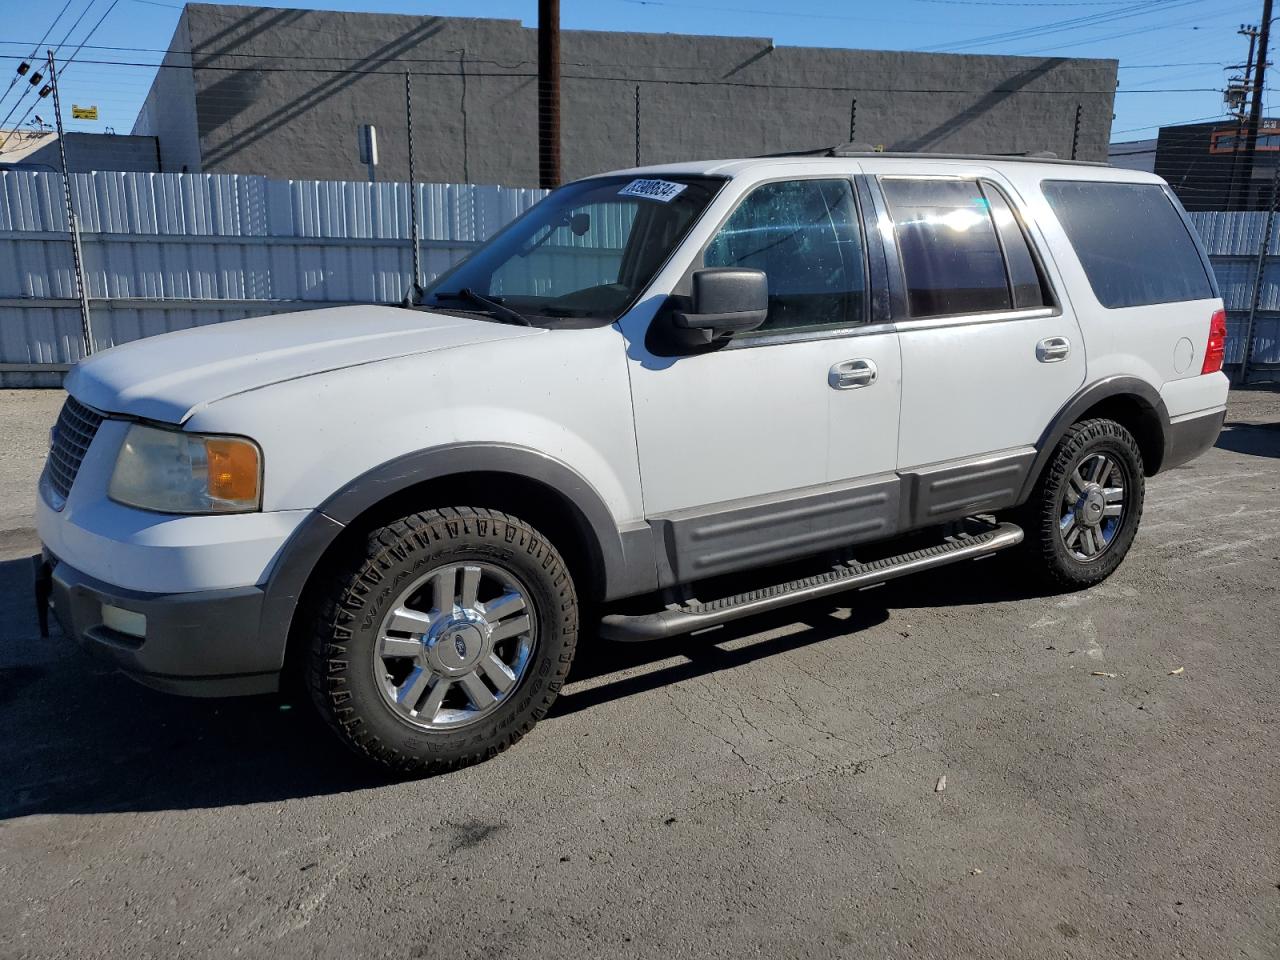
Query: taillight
x,y
1216,348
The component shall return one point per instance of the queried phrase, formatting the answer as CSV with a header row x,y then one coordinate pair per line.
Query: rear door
x,y
990,351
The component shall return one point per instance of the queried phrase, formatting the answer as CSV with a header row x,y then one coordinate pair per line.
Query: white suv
x,y
653,387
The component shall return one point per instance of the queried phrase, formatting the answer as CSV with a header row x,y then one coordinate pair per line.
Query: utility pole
x,y
1242,375
73,227
1238,88
549,93
1255,105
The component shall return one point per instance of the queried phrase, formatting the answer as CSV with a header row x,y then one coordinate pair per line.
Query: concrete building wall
x,y
169,112
86,152
283,92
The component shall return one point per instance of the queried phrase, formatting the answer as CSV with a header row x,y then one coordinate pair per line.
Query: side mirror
x,y
726,300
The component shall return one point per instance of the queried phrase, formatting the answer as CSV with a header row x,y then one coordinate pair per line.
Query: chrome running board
x,y
698,615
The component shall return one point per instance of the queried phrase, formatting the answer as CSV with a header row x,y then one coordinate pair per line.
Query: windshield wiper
x,y
467,295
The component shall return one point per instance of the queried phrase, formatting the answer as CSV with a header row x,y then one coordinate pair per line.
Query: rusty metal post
x,y
549,94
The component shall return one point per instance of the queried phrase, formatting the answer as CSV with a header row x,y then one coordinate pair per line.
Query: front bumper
x,y
204,644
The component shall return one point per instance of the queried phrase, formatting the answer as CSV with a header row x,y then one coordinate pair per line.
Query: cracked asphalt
x,y
768,790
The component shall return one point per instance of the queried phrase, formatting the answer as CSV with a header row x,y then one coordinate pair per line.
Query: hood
x,y
169,377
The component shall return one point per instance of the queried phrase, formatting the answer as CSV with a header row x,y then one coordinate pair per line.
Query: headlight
x,y
175,472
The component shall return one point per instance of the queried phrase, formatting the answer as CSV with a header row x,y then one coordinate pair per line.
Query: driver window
x,y
804,234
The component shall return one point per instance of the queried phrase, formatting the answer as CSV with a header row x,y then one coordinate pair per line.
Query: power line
x,y
1185,63
66,63
1177,123
833,16
1130,33
333,57
1025,3
1060,26
35,47
389,70
23,95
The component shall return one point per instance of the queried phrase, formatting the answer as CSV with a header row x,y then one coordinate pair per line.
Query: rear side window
x,y
1131,241
963,250
805,236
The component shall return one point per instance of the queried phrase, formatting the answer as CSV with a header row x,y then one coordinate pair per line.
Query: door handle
x,y
1053,349
849,374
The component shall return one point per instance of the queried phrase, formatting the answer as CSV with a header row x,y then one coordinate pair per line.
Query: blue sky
x,y
1172,53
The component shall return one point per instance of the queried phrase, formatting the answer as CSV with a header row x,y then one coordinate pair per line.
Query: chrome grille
x,y
76,427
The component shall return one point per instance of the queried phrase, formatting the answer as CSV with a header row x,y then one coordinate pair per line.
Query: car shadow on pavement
x,y
76,736
79,737
1254,439
736,644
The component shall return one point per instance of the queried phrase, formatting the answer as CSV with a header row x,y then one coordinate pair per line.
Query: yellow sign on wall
x,y
83,113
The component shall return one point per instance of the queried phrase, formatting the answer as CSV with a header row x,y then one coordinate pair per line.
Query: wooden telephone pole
x,y
1255,105
1238,88
549,93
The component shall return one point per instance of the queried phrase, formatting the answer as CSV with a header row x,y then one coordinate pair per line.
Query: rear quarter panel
x,y
1157,343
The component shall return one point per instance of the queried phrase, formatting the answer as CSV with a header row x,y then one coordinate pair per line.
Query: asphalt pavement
x,y
769,790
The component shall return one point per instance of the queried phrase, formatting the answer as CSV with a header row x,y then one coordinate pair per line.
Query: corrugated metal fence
x,y
1233,240
168,251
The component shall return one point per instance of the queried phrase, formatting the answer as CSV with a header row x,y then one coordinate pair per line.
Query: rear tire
x,y
1084,512
445,640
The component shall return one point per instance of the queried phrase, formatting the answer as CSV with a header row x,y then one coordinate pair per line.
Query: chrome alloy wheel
x,y
1093,506
455,645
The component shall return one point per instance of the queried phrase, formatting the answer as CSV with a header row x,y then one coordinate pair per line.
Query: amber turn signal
x,y
234,469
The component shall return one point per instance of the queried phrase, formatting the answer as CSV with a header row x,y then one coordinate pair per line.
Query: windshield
x,y
588,250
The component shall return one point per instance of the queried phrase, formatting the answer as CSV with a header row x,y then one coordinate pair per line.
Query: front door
x,y
748,450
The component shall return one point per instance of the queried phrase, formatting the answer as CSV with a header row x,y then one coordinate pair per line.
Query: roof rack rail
x,y
857,149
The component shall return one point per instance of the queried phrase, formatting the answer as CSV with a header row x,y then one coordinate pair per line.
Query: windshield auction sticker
x,y
664,191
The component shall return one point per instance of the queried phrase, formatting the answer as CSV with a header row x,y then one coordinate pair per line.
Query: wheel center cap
x,y
1092,505
456,647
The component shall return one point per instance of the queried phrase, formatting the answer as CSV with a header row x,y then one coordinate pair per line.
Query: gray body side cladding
x,y
624,555
707,542
1188,439
1147,396
962,488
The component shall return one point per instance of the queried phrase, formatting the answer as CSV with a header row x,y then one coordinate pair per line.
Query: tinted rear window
x,y
1131,241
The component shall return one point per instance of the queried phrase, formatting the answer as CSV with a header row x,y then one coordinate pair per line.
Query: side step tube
x,y
696,615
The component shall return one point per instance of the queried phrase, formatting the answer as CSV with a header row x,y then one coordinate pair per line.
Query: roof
x,y
756,165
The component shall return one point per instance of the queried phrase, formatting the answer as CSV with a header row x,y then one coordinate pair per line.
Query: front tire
x,y
445,641
1086,507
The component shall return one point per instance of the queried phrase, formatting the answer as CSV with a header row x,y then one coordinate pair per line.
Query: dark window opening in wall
x,y
1231,139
